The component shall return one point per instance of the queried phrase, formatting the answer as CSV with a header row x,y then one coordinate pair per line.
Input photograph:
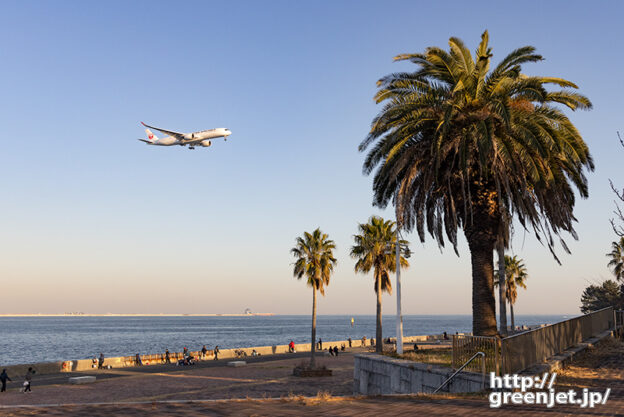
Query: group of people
x,y
187,357
334,350
4,377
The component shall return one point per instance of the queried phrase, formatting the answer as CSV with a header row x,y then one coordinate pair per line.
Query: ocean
x,y
44,339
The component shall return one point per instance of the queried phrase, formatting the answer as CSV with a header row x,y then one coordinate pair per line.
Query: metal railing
x,y
462,367
535,346
518,352
465,347
618,319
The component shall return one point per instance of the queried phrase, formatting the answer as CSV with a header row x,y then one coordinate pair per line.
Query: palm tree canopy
x,y
315,259
515,276
456,135
375,248
616,261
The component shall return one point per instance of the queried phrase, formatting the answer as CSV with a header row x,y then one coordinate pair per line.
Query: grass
x,y
434,356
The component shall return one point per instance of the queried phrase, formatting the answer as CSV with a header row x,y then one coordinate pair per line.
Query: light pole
x,y
399,319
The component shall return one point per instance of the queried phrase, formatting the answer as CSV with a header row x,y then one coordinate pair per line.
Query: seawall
x,y
158,358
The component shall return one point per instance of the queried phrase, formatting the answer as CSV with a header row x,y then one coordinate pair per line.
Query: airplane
x,y
201,138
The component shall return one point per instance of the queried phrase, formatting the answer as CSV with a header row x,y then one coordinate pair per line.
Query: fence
x,y
525,349
465,347
618,316
516,353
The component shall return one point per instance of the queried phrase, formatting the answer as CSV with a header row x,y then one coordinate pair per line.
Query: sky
x,y
95,221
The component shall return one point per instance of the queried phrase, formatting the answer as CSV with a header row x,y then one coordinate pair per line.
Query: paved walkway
x,y
598,370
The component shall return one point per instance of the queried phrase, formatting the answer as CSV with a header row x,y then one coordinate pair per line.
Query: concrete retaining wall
x,y
126,361
377,375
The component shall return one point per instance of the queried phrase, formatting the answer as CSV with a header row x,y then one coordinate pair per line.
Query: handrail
x,y
462,367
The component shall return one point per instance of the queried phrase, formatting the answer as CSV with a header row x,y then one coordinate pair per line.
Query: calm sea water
x,y
42,339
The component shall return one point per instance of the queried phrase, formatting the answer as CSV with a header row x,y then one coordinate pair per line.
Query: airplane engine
x,y
205,143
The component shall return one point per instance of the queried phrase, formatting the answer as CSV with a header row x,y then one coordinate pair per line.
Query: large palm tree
x,y
375,248
315,261
515,276
616,259
460,146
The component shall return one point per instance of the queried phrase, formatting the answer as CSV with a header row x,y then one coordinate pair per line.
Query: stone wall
x,y
377,375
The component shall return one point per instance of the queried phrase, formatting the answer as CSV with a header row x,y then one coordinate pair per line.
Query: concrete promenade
x,y
266,387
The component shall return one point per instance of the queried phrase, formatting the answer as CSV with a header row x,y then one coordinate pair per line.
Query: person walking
x,y
216,353
203,351
4,378
101,361
350,341
28,379
167,359
138,360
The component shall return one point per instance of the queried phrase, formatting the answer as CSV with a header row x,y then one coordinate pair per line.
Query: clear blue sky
x,y
95,221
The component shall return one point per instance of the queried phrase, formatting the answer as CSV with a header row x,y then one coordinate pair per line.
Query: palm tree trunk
x,y
313,344
502,300
483,301
513,323
379,341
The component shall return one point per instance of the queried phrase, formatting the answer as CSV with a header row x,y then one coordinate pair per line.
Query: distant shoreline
x,y
135,315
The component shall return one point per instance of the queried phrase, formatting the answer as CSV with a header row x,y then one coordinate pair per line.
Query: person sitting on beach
x,y
137,360
342,347
203,351
94,362
254,353
335,350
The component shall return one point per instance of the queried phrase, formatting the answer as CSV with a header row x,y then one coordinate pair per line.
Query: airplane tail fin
x,y
152,137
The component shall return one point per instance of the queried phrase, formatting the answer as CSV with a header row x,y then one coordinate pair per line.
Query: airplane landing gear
x,y
191,147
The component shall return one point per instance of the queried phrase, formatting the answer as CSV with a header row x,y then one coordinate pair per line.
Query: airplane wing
x,y
144,140
177,135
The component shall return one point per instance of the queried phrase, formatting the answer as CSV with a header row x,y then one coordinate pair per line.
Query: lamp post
x,y
399,318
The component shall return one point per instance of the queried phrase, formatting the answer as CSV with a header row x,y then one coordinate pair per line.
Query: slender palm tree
x,y
515,276
616,259
315,261
459,145
375,248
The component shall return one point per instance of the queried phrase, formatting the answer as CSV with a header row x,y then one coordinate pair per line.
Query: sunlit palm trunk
x,y
378,336
313,343
483,302
502,301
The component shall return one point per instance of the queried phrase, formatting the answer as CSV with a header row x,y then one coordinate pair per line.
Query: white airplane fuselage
x,y
196,137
